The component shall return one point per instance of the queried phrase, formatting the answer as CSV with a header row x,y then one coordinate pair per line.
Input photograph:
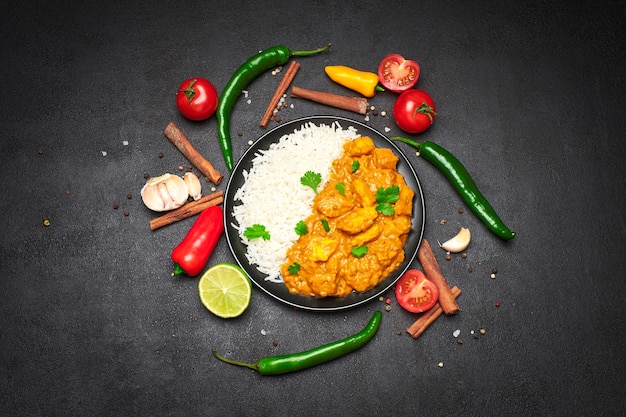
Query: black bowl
x,y
279,291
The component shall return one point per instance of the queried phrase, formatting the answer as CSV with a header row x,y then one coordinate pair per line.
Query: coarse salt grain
x,y
387,130
456,333
125,142
104,153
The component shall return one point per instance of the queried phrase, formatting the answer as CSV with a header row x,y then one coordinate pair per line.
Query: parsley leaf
x,y
341,187
301,228
355,166
388,195
293,269
311,179
325,224
256,231
385,197
385,209
359,251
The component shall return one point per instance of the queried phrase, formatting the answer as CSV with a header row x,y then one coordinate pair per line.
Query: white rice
x,y
273,196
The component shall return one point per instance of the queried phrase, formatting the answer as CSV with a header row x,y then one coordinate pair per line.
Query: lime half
x,y
225,290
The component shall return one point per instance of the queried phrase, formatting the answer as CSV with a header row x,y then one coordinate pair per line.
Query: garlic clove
x,y
163,193
151,197
193,185
177,190
458,243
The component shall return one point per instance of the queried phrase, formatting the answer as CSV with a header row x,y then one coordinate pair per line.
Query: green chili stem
x,y
408,141
311,51
234,362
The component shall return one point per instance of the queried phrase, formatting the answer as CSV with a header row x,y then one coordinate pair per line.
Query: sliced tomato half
x,y
415,292
398,74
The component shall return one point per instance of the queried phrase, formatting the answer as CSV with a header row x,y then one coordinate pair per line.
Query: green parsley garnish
x,y
256,231
311,179
325,224
293,269
301,228
341,187
359,251
385,209
355,166
385,197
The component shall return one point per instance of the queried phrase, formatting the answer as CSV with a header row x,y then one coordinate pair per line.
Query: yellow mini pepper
x,y
365,83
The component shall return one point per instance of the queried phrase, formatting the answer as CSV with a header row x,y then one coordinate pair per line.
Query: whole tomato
x,y
414,111
196,99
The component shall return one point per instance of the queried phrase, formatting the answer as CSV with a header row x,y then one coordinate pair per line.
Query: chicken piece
x,y
363,192
378,178
320,248
384,158
360,146
404,205
357,220
402,225
296,284
323,285
367,236
362,273
386,249
331,203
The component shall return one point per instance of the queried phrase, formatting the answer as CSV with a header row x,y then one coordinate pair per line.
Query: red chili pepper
x,y
192,254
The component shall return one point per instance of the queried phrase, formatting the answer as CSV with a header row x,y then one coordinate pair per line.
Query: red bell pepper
x,y
192,254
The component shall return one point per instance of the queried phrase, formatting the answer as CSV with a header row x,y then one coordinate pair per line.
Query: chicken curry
x,y
355,235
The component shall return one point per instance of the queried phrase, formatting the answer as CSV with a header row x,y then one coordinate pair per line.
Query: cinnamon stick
x,y
188,210
433,272
284,84
426,319
354,104
178,139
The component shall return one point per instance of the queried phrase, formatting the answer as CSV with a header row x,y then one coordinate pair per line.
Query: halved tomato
x,y
415,292
398,74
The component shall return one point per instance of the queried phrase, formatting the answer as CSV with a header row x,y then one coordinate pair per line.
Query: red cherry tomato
x,y
196,99
415,292
414,111
398,74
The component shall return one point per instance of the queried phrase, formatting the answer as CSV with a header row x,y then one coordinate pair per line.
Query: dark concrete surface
x,y
530,97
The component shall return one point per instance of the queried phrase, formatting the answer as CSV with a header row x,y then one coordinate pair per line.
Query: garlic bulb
x,y
163,193
193,185
458,243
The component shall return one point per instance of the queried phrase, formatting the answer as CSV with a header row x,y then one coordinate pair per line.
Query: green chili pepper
x,y
276,365
463,183
248,71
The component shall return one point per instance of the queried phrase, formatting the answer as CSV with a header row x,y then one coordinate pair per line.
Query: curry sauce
x,y
321,263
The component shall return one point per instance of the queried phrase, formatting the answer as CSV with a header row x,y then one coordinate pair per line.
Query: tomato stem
x,y
425,109
189,92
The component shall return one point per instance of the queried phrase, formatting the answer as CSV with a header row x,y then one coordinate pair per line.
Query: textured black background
x,y
530,97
